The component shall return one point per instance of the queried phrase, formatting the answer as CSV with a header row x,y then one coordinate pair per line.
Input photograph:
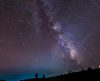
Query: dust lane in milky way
x,y
50,36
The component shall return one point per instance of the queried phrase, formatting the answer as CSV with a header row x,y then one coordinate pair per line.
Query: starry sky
x,y
48,36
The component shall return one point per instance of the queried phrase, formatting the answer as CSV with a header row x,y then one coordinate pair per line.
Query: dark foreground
x,y
85,75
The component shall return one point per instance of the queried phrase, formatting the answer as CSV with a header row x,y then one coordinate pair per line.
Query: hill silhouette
x,y
84,75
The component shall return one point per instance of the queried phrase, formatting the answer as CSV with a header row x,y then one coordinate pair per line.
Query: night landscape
x,y
49,40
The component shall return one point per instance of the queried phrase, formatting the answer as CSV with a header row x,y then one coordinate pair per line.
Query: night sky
x,y
48,36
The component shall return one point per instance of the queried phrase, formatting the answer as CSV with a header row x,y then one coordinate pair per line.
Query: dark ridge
x,y
84,75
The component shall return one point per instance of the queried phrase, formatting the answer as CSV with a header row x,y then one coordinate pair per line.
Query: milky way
x,y
49,36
